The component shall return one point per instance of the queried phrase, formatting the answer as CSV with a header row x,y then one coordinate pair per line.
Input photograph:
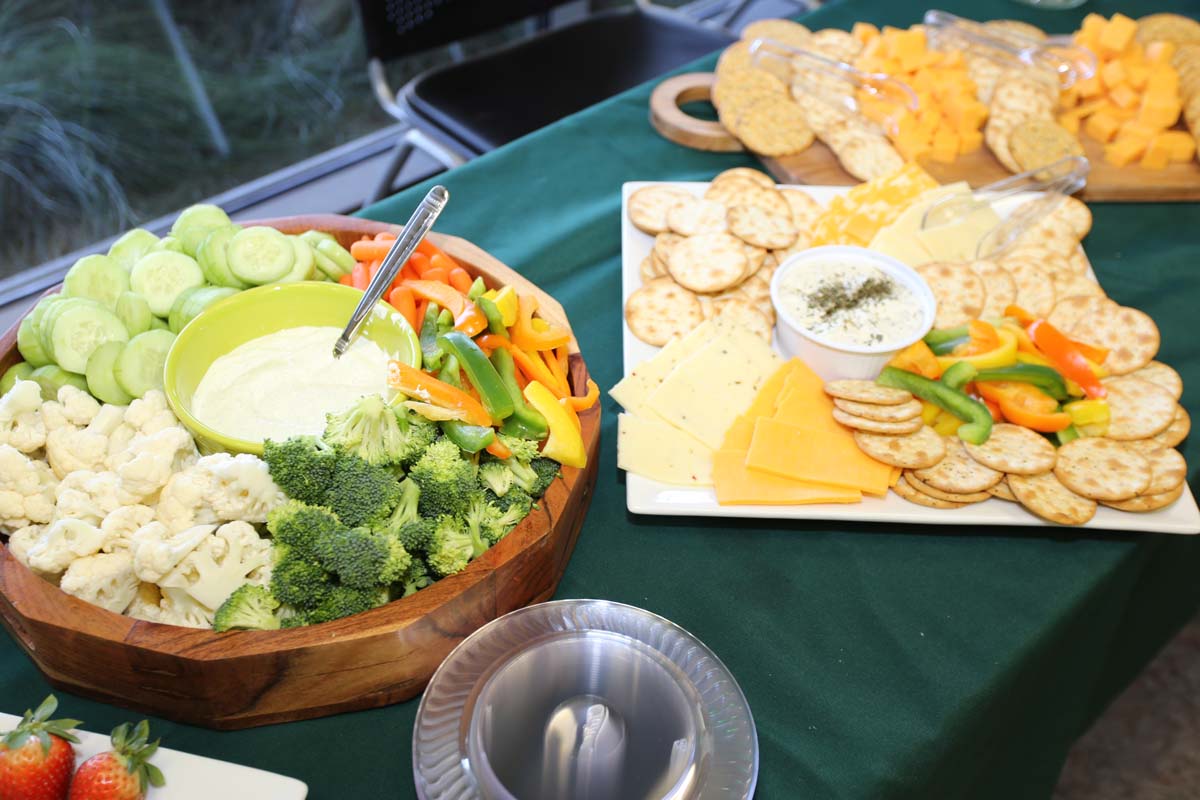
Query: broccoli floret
x,y
301,526
446,479
343,601
299,582
361,493
250,607
523,450
451,547
405,511
511,518
302,466
546,469
483,522
362,559
417,577
516,498
496,477
416,535
379,433
529,469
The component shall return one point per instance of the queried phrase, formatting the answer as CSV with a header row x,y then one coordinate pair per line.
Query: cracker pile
x,y
1021,130
716,254
1186,61
1133,468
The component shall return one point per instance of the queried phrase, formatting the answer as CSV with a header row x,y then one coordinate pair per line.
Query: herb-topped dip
x,y
849,302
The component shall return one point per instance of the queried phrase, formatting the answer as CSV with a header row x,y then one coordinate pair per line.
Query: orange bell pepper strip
x,y
560,377
467,316
531,366
345,280
525,336
422,386
564,359
1022,316
588,400
918,358
1025,405
1092,353
1066,357
984,339
499,449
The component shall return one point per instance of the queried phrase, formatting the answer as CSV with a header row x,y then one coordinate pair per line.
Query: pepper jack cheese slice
x,y
633,390
653,449
736,484
899,239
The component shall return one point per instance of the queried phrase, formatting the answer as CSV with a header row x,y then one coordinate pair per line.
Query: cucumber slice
x,y
139,367
169,243
161,277
46,325
194,223
19,371
53,377
328,267
131,246
159,324
134,313
314,236
29,343
260,255
305,265
337,254
99,374
79,330
213,261
193,302
99,278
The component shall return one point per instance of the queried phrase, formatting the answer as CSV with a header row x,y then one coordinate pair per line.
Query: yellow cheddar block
x,y
864,32
736,484
1112,74
1162,83
970,141
1124,151
1118,32
1102,126
1124,96
817,455
1138,75
1092,25
1157,155
1159,52
1090,87
1070,122
945,146
1159,113
1133,129
1180,145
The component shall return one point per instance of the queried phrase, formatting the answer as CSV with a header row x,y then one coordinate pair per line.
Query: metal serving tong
x,y
1051,183
414,231
1057,54
828,80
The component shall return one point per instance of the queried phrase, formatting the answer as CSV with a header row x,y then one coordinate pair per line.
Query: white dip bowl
x,y
824,353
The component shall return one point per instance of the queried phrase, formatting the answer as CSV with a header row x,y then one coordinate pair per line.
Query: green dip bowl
x,y
258,312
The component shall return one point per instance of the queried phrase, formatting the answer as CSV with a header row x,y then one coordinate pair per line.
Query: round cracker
x,y
755,256
694,216
1057,240
920,498
1168,469
1079,262
747,174
1038,142
867,392
648,206
958,472
1049,261
771,126
898,413
999,287
911,425
1035,288
735,59
958,290
1003,491
924,488
1137,409
1076,286
1070,310
1147,502
649,269
836,44
924,448
664,243
869,157
660,310
742,313
781,30
733,93
1014,449
804,208
1046,496
1101,469
709,262
1072,214
1130,335
1161,374
1175,433
754,225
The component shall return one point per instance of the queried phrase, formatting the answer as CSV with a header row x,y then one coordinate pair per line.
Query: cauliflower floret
x,y
169,607
183,501
105,580
69,448
20,540
145,603
219,488
62,542
121,524
79,407
90,496
150,413
156,551
221,564
26,489
21,422
150,460
53,416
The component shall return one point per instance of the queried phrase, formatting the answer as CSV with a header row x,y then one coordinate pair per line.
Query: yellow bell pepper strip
x,y
1066,357
424,387
1024,343
918,358
978,419
494,318
1003,355
532,366
481,373
505,300
946,424
565,402
526,336
1088,412
983,339
588,400
929,412
1025,405
1023,317
565,443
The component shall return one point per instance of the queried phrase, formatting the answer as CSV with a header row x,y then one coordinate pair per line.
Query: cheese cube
x,y
1160,52
1118,32
945,146
1092,25
864,32
1090,87
1138,74
1124,151
1180,145
1135,129
1157,155
1163,81
1102,126
1112,74
1124,96
1070,122
969,141
1158,112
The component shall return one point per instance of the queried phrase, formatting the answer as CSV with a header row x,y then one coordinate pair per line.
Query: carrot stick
x,y
438,274
345,280
444,261
403,301
430,249
370,250
407,273
419,262
422,306
373,268
460,280
384,236
358,276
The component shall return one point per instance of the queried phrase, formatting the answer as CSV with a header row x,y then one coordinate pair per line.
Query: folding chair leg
x,y
396,161
441,153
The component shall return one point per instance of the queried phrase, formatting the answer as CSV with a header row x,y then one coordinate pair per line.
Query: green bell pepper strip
x,y
483,376
494,317
1067,434
476,291
975,415
943,340
432,355
469,438
525,422
959,374
1045,378
445,320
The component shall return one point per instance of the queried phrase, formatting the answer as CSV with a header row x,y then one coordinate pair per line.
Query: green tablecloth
x,y
880,661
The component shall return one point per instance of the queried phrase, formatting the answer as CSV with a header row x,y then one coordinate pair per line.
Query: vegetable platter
x,y
668,310
245,678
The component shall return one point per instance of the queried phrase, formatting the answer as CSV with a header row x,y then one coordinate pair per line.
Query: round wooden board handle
x,y
670,120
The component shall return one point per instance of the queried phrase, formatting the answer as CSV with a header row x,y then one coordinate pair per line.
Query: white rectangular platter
x,y
191,777
644,496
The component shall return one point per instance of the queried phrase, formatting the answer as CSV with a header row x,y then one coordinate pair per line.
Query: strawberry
x,y
36,758
122,773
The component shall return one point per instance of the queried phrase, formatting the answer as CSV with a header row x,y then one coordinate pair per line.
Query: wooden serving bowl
x,y
383,656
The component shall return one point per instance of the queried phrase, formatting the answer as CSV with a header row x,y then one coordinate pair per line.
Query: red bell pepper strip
x,y
1066,357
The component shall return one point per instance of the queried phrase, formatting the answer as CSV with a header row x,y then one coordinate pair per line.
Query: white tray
x,y
644,496
191,777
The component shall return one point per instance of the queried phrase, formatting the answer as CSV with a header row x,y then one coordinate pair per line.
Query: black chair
x,y
467,108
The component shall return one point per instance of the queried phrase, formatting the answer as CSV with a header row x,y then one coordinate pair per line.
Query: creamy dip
x,y
283,384
848,302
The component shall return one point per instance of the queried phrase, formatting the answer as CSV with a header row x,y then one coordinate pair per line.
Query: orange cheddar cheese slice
x,y
739,433
737,484
825,453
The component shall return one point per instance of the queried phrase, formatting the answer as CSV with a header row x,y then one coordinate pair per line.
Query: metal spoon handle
x,y
418,225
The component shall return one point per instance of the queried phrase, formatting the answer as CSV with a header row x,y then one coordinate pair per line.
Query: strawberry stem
x,y
38,723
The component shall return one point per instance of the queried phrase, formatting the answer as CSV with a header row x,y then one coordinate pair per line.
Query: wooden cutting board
x,y
819,166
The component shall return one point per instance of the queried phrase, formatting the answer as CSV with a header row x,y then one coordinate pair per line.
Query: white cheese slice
x,y
632,390
899,239
653,449
959,241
